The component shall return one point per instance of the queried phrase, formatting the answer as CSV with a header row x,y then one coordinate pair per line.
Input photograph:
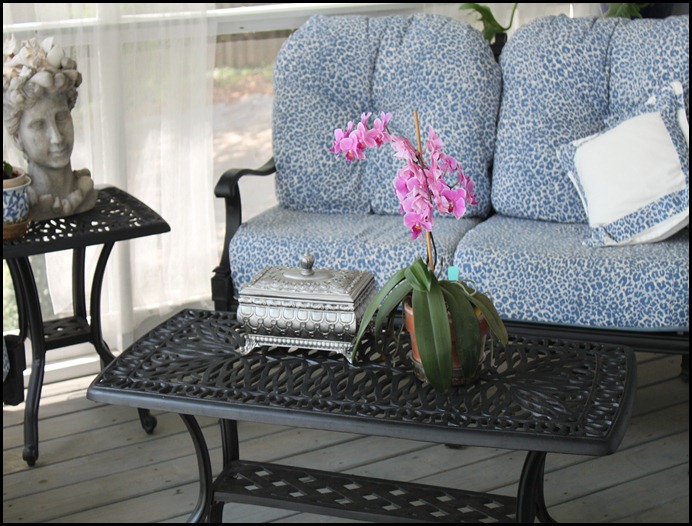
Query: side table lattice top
x,y
116,216
545,395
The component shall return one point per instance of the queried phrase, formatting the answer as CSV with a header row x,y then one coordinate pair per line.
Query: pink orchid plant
x,y
421,186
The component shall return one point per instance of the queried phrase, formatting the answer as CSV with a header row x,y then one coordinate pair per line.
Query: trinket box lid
x,y
306,283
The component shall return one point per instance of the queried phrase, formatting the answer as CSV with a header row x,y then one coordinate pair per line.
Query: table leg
x,y
531,497
202,509
231,452
78,281
95,322
31,307
21,307
147,420
13,386
229,441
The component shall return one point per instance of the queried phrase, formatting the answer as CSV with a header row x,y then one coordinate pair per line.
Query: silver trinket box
x,y
302,307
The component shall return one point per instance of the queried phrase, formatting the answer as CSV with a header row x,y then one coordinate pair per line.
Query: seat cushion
x,y
333,69
368,242
541,272
555,90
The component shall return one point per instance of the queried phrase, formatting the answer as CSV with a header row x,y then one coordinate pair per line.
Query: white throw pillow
x,y
633,177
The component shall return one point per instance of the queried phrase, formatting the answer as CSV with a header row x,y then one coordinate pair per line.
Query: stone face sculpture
x,y
39,90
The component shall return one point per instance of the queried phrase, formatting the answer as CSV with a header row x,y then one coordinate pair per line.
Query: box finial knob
x,y
306,263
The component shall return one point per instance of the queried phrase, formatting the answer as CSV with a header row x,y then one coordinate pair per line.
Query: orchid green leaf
x,y
373,305
433,335
391,302
485,305
467,332
419,276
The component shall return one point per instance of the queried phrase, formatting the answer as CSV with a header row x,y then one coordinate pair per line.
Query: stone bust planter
x,y
39,91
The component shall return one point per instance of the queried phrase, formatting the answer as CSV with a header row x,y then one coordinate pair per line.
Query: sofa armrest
x,y
227,188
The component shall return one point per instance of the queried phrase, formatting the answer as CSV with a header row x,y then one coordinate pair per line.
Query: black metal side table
x,y
539,395
117,216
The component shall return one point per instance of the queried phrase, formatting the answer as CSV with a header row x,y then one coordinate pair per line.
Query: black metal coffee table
x,y
537,395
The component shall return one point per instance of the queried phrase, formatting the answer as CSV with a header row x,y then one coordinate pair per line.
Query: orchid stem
x,y
415,119
428,236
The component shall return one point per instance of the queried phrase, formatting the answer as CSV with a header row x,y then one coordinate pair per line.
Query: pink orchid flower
x,y
365,138
416,223
351,147
401,182
379,129
467,184
455,201
404,149
434,143
340,135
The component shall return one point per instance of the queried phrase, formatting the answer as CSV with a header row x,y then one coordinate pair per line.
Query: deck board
x,y
96,464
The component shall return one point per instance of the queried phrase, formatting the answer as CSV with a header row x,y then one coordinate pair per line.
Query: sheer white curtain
x,y
143,123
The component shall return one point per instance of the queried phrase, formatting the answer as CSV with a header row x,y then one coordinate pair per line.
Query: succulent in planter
x,y
423,186
8,171
12,176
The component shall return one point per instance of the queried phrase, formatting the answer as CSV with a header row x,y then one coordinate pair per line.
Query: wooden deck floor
x,y
97,465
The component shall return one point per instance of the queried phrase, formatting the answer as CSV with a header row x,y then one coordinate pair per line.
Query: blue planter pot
x,y
15,206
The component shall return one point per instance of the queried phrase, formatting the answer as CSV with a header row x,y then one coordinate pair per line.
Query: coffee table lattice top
x,y
548,395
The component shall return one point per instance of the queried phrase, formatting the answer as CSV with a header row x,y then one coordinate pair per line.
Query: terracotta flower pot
x,y
458,377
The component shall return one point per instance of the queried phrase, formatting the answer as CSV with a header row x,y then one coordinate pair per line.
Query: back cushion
x,y
322,79
555,74
444,69
334,68
645,56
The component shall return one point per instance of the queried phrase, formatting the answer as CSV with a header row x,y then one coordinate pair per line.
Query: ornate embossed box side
x,y
302,307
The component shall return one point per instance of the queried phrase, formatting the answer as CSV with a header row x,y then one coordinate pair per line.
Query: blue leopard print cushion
x,y
645,56
322,80
444,69
333,69
563,79
555,74
368,242
539,271
5,360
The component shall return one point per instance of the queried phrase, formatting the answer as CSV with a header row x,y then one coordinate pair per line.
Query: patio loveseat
x,y
528,131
